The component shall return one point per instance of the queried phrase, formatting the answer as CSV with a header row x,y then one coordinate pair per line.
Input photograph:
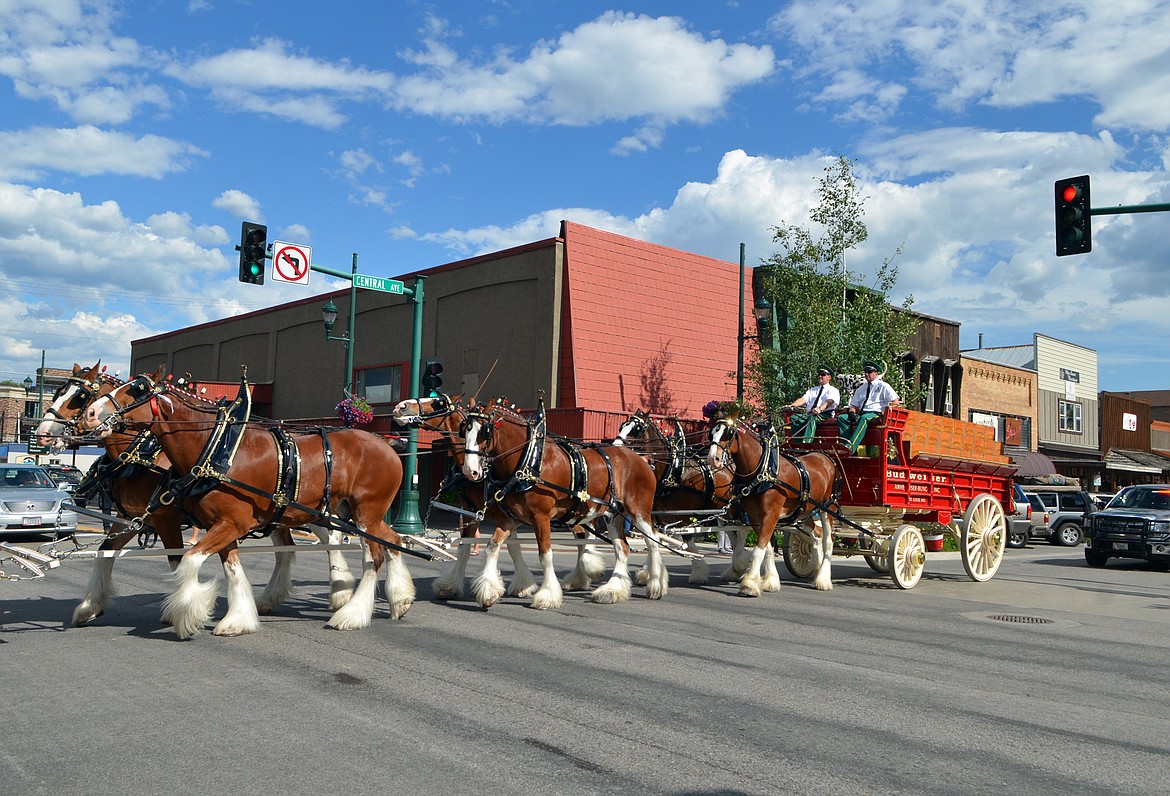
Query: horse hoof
x,y
399,611
86,618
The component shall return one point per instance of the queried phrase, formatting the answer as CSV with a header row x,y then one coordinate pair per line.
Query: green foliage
x,y
820,315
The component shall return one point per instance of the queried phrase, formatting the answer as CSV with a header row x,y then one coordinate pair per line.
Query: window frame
x,y
394,382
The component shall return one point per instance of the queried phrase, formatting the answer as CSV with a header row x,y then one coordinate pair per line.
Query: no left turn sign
x,y
290,262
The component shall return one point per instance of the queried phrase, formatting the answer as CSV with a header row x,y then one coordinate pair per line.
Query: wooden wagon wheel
x,y
798,550
879,561
907,556
983,537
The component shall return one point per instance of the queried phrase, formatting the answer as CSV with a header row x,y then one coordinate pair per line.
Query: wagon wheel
x,y
879,561
983,537
907,556
798,550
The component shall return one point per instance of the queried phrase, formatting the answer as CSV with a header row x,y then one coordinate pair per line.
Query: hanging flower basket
x,y
355,411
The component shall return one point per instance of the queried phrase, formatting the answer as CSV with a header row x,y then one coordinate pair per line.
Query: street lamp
x,y
329,316
763,310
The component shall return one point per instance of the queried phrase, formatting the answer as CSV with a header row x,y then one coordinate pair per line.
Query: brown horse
x,y
538,482
132,471
350,474
775,488
446,416
686,483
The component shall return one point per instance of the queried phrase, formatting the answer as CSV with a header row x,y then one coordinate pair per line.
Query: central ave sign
x,y
378,283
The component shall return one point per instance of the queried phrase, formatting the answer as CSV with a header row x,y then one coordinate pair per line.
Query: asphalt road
x,y
1050,678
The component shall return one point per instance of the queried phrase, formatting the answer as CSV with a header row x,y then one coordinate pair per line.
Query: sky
x,y
136,137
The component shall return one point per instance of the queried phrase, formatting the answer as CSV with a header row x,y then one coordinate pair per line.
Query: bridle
x,y
141,390
85,392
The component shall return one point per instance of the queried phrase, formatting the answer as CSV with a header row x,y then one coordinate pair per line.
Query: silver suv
x,y
1067,508
1020,521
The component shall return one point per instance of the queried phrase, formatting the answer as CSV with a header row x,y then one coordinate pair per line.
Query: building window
x,y
1070,417
928,393
32,409
380,385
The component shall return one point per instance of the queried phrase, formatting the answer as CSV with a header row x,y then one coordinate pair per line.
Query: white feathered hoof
x,y
611,593
340,597
750,587
488,591
642,577
448,589
547,599
85,613
700,572
399,609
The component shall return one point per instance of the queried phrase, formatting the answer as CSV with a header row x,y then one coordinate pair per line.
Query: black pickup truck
x,y
1135,524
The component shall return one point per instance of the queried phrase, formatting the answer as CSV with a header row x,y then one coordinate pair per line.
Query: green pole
x,y
352,330
408,520
739,314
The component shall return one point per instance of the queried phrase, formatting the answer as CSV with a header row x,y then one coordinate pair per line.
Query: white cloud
x,y
952,226
995,52
89,151
240,205
68,54
617,67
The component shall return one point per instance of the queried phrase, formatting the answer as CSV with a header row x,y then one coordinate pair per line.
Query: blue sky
x,y
137,136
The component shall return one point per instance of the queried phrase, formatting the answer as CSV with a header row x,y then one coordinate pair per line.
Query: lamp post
x,y
28,385
329,316
763,314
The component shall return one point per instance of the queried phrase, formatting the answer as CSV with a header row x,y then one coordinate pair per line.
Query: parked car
x,y
1039,529
31,503
65,476
1020,521
1067,507
1136,524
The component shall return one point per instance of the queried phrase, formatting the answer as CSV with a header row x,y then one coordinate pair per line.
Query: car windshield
x,y
1143,499
68,476
17,477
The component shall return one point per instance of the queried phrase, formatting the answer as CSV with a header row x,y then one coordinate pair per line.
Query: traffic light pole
x,y
408,519
1113,211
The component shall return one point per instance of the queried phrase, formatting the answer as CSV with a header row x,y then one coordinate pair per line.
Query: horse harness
x,y
767,474
216,458
527,476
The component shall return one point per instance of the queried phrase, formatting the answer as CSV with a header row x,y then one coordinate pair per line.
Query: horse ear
x,y
158,374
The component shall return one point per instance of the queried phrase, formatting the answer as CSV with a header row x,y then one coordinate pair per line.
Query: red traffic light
x,y
1074,234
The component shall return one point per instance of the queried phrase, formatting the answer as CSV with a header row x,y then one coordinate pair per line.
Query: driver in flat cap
x,y
865,404
819,401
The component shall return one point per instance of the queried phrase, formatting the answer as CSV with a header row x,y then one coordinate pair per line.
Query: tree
x,y
818,315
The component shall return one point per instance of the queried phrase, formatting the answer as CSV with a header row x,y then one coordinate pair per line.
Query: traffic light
x,y
432,377
253,250
1073,235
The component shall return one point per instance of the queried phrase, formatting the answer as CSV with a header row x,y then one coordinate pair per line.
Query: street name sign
x,y
378,283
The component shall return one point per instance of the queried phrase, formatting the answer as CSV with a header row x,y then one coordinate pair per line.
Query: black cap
x,y
825,370
869,365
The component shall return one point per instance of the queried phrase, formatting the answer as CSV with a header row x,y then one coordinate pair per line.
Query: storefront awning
x,y
1136,461
1032,463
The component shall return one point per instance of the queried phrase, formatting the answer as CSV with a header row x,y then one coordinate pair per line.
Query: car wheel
x,y
1069,535
1094,558
1017,539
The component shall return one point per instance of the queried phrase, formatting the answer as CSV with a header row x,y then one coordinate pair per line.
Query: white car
x,y
31,503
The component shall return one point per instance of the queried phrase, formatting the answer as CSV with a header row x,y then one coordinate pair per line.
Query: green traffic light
x,y
255,268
